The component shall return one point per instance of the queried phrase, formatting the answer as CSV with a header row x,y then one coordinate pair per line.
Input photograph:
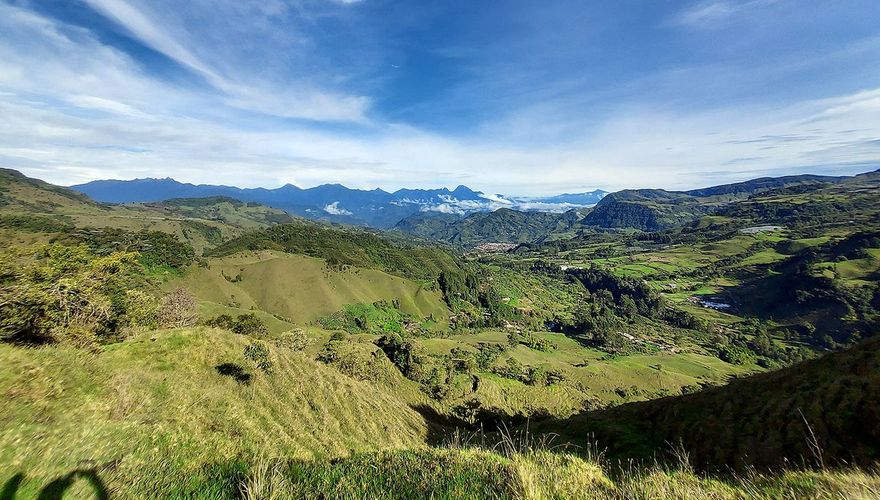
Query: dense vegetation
x,y
501,226
70,294
157,251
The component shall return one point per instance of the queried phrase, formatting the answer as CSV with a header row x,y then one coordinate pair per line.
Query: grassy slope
x,y
192,222
157,401
346,247
301,288
759,420
152,417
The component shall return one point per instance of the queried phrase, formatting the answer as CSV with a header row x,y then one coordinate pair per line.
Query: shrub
x,y
736,355
361,367
178,310
511,369
488,354
463,360
249,324
295,340
538,343
406,355
141,309
330,353
224,321
469,411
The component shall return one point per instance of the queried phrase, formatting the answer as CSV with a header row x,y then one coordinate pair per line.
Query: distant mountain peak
x,y
334,202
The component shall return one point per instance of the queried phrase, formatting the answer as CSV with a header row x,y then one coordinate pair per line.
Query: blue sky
x,y
518,97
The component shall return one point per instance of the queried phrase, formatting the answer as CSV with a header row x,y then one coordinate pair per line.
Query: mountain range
x,y
337,203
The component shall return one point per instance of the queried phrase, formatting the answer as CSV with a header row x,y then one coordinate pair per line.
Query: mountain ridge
x,y
657,209
334,202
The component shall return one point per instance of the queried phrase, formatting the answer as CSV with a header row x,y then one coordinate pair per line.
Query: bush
x,y
330,353
224,321
538,343
542,376
249,324
408,357
736,355
179,309
359,366
295,340
141,309
488,354
463,360
511,369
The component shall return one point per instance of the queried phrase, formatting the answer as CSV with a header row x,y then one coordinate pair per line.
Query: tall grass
x,y
520,465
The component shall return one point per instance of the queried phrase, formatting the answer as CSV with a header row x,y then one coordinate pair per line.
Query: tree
x,y
66,293
258,353
178,310
628,307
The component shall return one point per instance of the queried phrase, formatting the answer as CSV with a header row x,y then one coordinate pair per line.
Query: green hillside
x,y
501,226
647,210
21,193
35,206
301,289
183,413
657,209
222,209
345,247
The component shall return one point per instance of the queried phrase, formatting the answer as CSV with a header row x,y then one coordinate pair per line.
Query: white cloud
x,y
497,198
335,209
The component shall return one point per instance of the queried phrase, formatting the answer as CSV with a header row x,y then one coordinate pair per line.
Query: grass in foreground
x,y
156,416
444,473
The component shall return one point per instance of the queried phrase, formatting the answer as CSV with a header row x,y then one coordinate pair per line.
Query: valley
x,y
232,349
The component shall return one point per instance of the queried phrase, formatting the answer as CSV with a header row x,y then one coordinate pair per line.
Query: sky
x,y
506,96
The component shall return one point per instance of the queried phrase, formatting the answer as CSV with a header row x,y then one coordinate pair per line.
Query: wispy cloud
x,y
711,12
294,99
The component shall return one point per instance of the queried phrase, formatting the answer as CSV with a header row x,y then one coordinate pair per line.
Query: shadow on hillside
x,y
57,488
441,427
11,487
819,413
235,371
444,429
